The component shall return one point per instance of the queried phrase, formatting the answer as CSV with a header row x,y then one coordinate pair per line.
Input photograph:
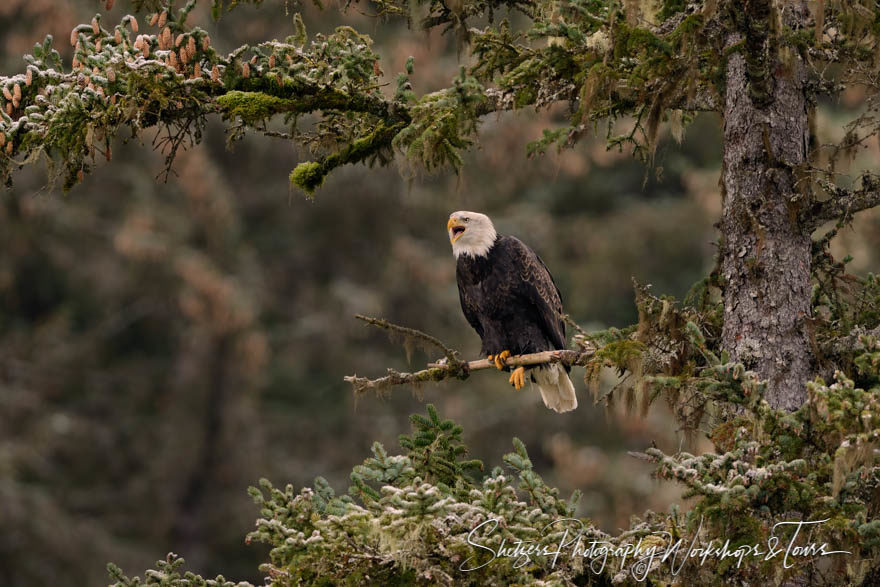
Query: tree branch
x,y
564,356
441,371
703,100
302,97
844,203
850,342
309,175
174,78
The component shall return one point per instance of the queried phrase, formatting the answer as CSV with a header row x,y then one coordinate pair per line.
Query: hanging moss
x,y
629,41
308,176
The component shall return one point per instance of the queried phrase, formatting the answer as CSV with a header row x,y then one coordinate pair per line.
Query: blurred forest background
x,y
165,344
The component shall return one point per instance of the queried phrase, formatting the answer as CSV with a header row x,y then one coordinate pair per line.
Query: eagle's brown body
x,y
510,299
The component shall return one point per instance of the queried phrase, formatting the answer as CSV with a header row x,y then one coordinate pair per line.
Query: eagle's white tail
x,y
556,388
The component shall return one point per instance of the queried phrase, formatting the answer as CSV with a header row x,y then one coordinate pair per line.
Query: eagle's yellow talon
x,y
518,377
499,359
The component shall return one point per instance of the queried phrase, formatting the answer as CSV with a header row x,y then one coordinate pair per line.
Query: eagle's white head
x,y
470,233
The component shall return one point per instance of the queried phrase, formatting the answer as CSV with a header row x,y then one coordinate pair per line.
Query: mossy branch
x,y
309,175
174,78
607,64
255,99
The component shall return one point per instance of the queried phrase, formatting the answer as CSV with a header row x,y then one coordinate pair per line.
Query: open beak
x,y
455,229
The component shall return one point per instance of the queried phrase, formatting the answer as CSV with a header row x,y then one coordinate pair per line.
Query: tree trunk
x,y
188,533
765,252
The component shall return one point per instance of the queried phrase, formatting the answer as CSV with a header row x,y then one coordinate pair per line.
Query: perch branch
x,y
561,356
441,371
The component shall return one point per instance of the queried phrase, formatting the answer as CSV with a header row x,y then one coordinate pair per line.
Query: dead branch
x,y
570,321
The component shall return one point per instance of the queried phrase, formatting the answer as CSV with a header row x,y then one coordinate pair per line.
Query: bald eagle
x,y
509,297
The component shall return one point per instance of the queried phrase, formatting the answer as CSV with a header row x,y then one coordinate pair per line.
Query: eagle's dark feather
x,y
510,299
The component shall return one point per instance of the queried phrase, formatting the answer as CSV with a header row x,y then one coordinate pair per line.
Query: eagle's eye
x,y
466,219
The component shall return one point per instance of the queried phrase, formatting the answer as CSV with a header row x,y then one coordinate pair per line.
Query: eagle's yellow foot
x,y
518,377
499,359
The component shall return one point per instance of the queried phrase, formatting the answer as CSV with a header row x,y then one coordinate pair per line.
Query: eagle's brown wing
x,y
537,286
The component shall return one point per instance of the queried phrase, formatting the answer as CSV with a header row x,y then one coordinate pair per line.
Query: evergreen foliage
x,y
654,62
415,518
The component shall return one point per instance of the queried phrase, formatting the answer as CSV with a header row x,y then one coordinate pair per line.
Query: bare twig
x,y
364,384
451,355
642,456
570,321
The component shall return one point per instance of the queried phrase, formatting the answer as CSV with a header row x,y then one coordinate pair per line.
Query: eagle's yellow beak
x,y
455,229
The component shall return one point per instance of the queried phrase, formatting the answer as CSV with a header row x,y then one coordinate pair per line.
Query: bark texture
x,y
766,251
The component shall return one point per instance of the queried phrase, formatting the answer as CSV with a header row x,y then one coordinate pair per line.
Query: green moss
x,y
630,41
308,176
360,148
691,24
671,7
300,97
252,107
624,354
524,97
